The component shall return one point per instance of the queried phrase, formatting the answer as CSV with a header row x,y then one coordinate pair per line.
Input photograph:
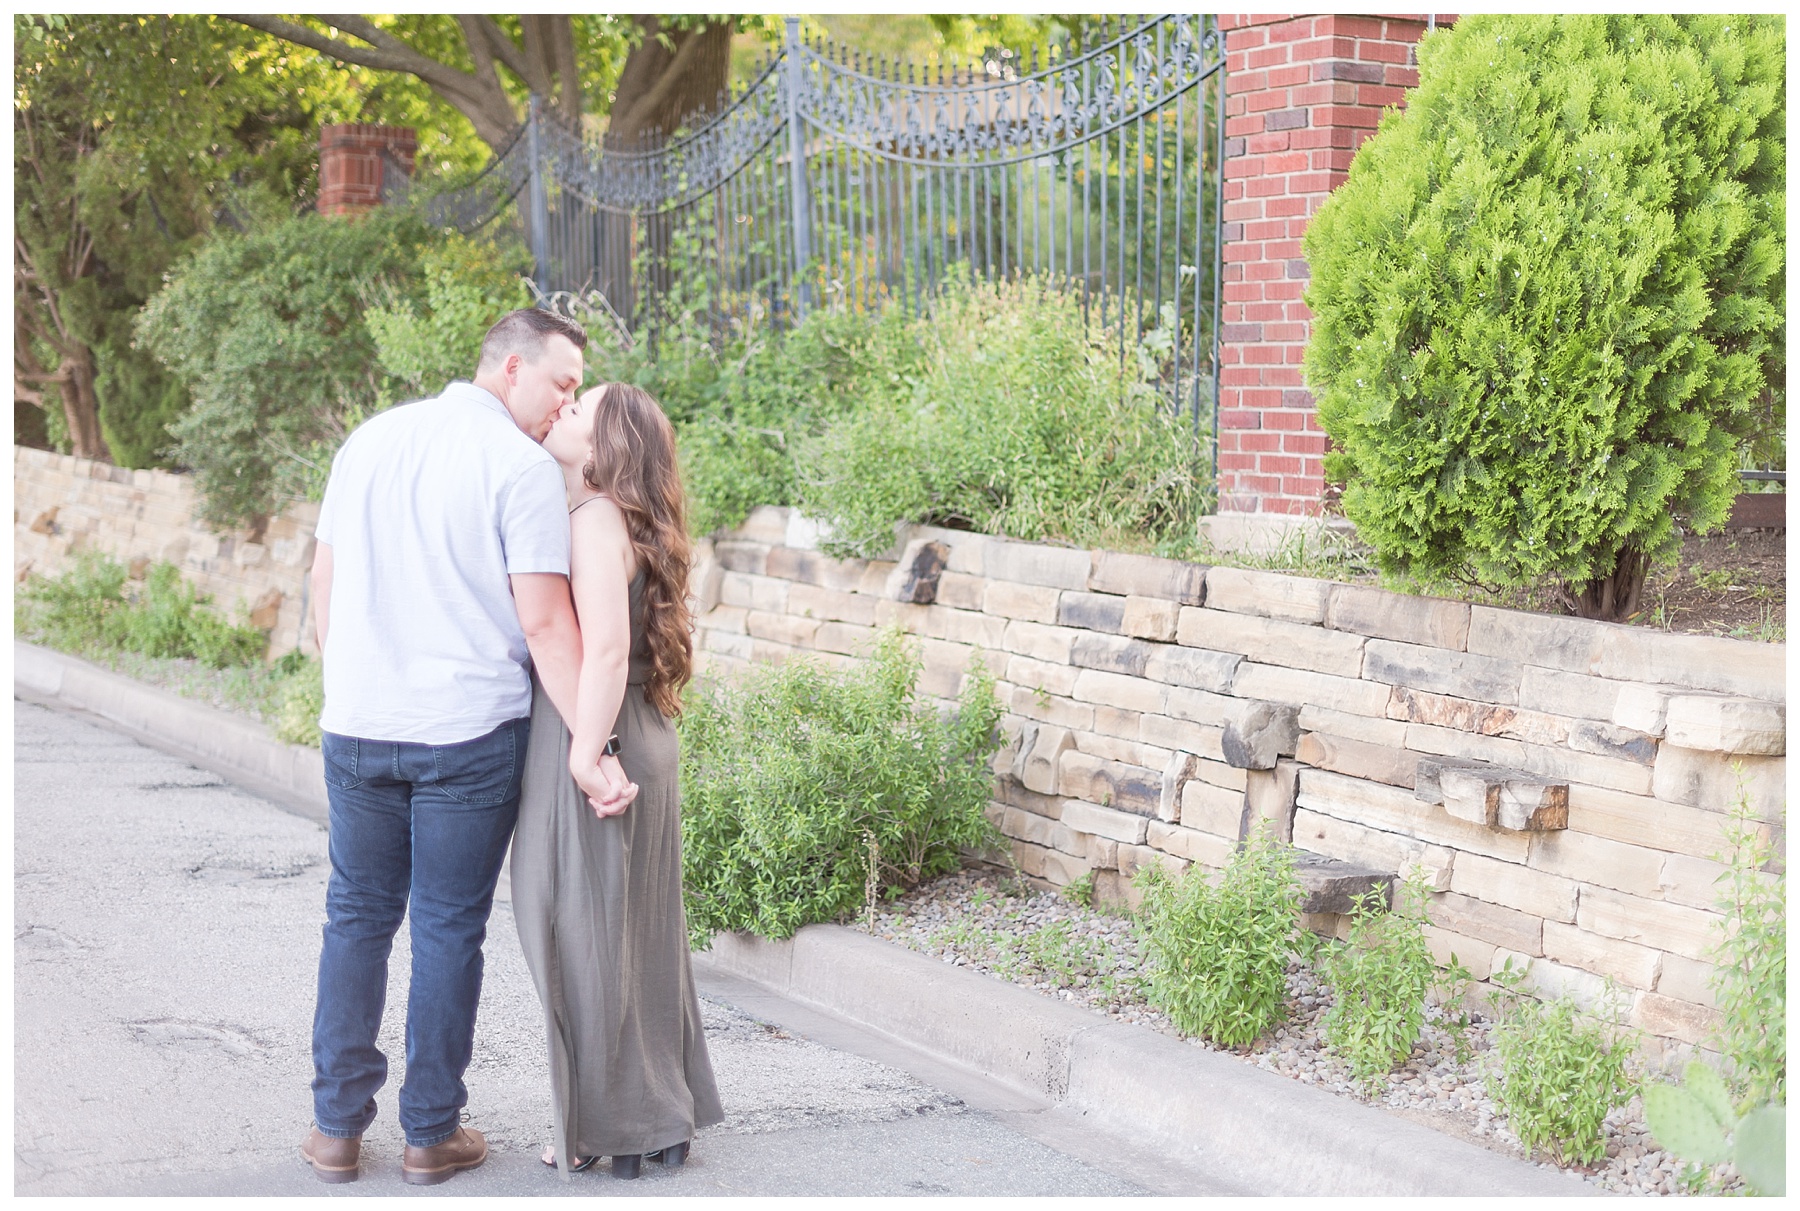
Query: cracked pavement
x,y
166,931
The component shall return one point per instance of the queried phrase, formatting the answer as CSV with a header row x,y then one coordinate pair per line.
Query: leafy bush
x,y
1749,979
1001,412
998,412
91,607
1379,982
424,343
299,699
1217,952
788,772
1549,300
1560,1074
266,330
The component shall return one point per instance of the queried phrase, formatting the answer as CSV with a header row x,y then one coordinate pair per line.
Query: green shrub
x,y
73,612
1549,301
425,343
786,773
1003,413
1560,1073
1749,978
299,699
91,608
1217,951
1379,982
266,330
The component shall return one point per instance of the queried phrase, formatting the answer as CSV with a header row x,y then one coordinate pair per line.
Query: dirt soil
x,y
1733,583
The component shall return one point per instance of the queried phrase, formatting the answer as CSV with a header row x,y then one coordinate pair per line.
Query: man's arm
x,y
321,592
547,615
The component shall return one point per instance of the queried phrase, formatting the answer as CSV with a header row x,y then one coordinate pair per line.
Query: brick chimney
x,y
361,165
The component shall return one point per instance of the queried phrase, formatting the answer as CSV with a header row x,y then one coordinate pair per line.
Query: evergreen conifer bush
x,y
1549,299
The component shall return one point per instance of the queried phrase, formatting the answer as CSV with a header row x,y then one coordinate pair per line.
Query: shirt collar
x,y
476,395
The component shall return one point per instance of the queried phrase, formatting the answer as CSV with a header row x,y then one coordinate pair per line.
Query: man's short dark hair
x,y
525,332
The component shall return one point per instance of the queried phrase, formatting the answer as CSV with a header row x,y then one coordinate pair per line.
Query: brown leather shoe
x,y
332,1159
441,1162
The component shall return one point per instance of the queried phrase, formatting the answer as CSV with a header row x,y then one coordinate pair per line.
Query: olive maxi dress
x,y
598,904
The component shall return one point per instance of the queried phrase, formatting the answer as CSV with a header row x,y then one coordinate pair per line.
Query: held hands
x,y
608,790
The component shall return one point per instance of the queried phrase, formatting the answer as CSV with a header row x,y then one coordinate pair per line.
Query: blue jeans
x,y
429,823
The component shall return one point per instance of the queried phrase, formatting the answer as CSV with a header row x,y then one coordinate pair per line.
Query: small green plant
x,y
1560,1075
787,771
1217,952
1379,982
93,607
299,700
1750,974
1081,891
1697,1122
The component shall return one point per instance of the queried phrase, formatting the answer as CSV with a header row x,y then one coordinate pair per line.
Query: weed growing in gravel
x,y
1081,890
1560,1075
1750,979
1218,951
1379,981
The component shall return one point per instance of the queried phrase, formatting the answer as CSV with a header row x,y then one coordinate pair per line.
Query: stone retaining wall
x,y
63,504
1559,783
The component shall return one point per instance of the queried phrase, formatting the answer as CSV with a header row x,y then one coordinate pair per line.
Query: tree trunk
x,y
81,407
660,89
1617,595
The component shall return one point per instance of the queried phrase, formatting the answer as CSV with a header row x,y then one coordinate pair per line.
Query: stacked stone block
x,y
1559,785
63,504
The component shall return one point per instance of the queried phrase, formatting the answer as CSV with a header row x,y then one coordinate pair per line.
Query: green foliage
x,y
267,332
1749,979
1379,982
1001,412
1560,1074
467,285
1217,952
1549,300
1081,891
1697,1121
134,136
92,606
786,770
299,699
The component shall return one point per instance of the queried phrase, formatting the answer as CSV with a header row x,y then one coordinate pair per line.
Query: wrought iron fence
x,y
835,178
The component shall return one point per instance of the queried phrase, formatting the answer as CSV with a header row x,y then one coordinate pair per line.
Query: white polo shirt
x,y
430,507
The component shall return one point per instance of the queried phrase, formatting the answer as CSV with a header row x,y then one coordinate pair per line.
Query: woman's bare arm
x,y
600,570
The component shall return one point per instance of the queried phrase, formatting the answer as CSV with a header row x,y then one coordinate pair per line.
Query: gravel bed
x,y
1051,944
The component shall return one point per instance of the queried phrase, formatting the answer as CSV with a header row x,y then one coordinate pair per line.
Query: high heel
x,y
672,1157
627,1168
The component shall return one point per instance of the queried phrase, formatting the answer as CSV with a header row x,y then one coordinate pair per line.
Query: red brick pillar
x,y
1302,93
354,160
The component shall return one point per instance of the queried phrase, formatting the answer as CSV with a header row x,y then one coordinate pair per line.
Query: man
x,y
441,567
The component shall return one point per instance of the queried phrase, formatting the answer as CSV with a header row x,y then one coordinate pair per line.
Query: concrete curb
x,y
1257,1129
227,744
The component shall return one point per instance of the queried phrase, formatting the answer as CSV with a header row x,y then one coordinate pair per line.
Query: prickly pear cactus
x,y
1760,1149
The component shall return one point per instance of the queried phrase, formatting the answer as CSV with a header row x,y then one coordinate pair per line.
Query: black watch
x,y
612,747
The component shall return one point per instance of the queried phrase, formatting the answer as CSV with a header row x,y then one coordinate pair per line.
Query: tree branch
x,y
480,100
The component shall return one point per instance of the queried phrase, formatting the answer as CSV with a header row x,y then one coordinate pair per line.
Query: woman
x,y
598,898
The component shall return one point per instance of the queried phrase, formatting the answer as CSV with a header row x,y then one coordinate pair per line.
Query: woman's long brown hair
x,y
634,465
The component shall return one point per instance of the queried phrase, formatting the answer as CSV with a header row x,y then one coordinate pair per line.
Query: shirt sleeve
x,y
324,527
534,520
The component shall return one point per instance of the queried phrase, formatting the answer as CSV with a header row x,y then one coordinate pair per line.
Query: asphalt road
x,y
166,932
